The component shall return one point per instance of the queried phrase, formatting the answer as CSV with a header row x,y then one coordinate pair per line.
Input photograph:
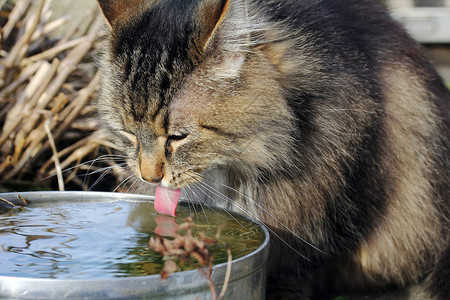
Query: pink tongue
x,y
166,200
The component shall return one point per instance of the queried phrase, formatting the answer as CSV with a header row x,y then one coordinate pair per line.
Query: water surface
x,y
85,240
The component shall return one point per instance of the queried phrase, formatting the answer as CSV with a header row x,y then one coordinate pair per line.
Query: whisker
x,y
99,170
99,179
256,218
189,201
272,216
206,186
207,205
100,158
195,211
200,202
124,182
90,162
135,182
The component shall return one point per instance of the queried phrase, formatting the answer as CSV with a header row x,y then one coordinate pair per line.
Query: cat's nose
x,y
152,179
151,170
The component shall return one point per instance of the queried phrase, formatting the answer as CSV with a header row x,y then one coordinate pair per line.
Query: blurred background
x,y
428,21
49,82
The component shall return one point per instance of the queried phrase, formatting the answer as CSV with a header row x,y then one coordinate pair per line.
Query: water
x,y
86,240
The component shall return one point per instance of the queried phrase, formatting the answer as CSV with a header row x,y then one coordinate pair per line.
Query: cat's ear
x,y
113,9
212,13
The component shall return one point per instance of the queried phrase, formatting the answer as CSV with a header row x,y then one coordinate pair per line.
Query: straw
x,y
48,83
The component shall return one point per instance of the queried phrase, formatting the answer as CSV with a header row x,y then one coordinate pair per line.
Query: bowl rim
x,y
14,286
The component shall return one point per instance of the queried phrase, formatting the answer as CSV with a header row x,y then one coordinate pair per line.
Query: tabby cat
x,y
323,118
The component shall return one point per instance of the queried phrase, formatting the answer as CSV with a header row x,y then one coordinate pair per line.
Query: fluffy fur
x,y
323,117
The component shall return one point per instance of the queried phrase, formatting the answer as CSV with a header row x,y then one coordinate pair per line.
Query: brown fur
x,y
328,125
410,217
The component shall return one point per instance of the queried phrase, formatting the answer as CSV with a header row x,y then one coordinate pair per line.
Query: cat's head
x,y
186,88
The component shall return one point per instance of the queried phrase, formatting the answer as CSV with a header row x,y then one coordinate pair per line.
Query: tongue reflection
x,y
166,200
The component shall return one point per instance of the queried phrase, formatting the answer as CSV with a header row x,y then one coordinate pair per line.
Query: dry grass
x,y
184,248
47,87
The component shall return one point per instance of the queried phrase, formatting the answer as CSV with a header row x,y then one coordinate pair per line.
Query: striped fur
x,y
322,116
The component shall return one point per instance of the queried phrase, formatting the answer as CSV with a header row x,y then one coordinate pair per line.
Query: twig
x,y
42,103
67,66
36,143
79,103
27,101
79,153
182,247
24,75
55,156
24,202
19,49
64,152
53,51
212,288
227,275
6,163
8,202
18,11
48,28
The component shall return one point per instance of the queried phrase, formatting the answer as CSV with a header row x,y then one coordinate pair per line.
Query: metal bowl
x,y
247,280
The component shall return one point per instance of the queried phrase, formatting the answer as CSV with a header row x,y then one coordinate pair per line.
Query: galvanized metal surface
x,y
247,281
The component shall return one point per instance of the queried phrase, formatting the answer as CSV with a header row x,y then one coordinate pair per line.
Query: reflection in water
x,y
108,239
166,227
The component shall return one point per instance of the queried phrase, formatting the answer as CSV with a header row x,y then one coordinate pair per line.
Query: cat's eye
x,y
177,137
173,138
130,136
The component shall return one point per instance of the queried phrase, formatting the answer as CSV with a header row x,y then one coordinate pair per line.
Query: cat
x,y
322,118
